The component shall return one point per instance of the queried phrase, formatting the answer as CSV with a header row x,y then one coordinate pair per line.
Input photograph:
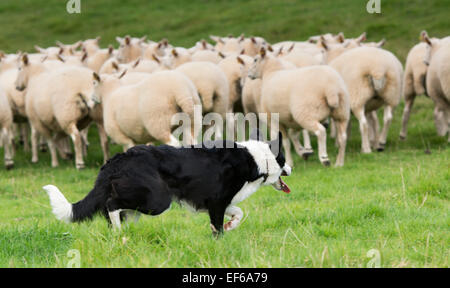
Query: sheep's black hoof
x,y
9,166
381,147
68,156
43,148
326,163
401,137
306,155
326,125
80,166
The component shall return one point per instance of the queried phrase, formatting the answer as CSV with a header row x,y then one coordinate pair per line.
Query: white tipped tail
x,y
60,206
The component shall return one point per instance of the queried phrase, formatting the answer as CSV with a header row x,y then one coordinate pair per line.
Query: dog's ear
x,y
256,135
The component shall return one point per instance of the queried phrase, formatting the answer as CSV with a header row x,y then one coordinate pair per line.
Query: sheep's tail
x,y
82,210
378,81
332,97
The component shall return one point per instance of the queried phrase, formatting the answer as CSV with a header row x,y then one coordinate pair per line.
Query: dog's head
x,y
270,159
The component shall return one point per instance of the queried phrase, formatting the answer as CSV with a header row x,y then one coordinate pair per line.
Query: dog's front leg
x,y
115,218
236,215
216,215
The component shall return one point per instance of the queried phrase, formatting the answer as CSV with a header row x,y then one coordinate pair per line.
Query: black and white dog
x,y
146,179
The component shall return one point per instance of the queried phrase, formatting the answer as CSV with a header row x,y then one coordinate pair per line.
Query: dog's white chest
x,y
248,189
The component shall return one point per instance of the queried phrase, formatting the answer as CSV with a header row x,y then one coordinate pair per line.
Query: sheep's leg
x,y
42,144
374,128
6,135
78,143
440,121
321,134
332,129
294,135
85,141
24,131
53,152
364,129
307,142
387,119
341,127
287,146
236,215
405,118
34,145
103,142
61,144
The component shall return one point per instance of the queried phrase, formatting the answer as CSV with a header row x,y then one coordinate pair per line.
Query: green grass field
x,y
396,202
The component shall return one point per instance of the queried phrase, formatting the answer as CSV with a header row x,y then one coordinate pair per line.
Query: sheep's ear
x,y
156,58
242,52
59,44
174,53
340,37
39,49
60,58
25,59
97,39
119,39
262,52
323,43
84,57
115,65
44,58
142,39
61,50
279,52
221,55
241,38
96,77
291,48
240,61
2,54
269,48
127,40
424,37
77,45
253,40
110,49
204,44
361,38
137,62
123,73
381,43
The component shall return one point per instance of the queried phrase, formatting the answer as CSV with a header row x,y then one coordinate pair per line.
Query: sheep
x,y
57,103
207,55
91,45
201,45
130,49
155,48
229,45
251,46
251,98
234,68
438,81
148,66
95,60
374,78
212,86
303,97
142,112
6,135
178,56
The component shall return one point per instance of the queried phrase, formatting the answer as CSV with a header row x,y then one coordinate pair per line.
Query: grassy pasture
x,y
396,202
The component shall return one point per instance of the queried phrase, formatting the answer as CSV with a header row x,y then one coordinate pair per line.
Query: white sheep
x,y
438,81
212,86
57,103
303,97
6,135
130,49
142,113
374,79
95,60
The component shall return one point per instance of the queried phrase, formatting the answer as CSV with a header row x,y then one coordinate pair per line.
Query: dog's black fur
x,y
148,178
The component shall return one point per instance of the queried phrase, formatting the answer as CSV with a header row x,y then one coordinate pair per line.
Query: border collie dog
x,y
146,179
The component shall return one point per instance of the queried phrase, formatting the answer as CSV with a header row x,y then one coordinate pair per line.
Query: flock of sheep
x,y
131,93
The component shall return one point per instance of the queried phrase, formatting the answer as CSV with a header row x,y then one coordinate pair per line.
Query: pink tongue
x,y
284,187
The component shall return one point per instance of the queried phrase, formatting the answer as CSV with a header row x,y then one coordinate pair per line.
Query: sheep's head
x,y
24,71
256,69
91,45
433,44
129,49
96,95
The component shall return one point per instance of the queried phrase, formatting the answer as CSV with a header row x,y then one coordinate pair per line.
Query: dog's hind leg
x,y
236,215
132,215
